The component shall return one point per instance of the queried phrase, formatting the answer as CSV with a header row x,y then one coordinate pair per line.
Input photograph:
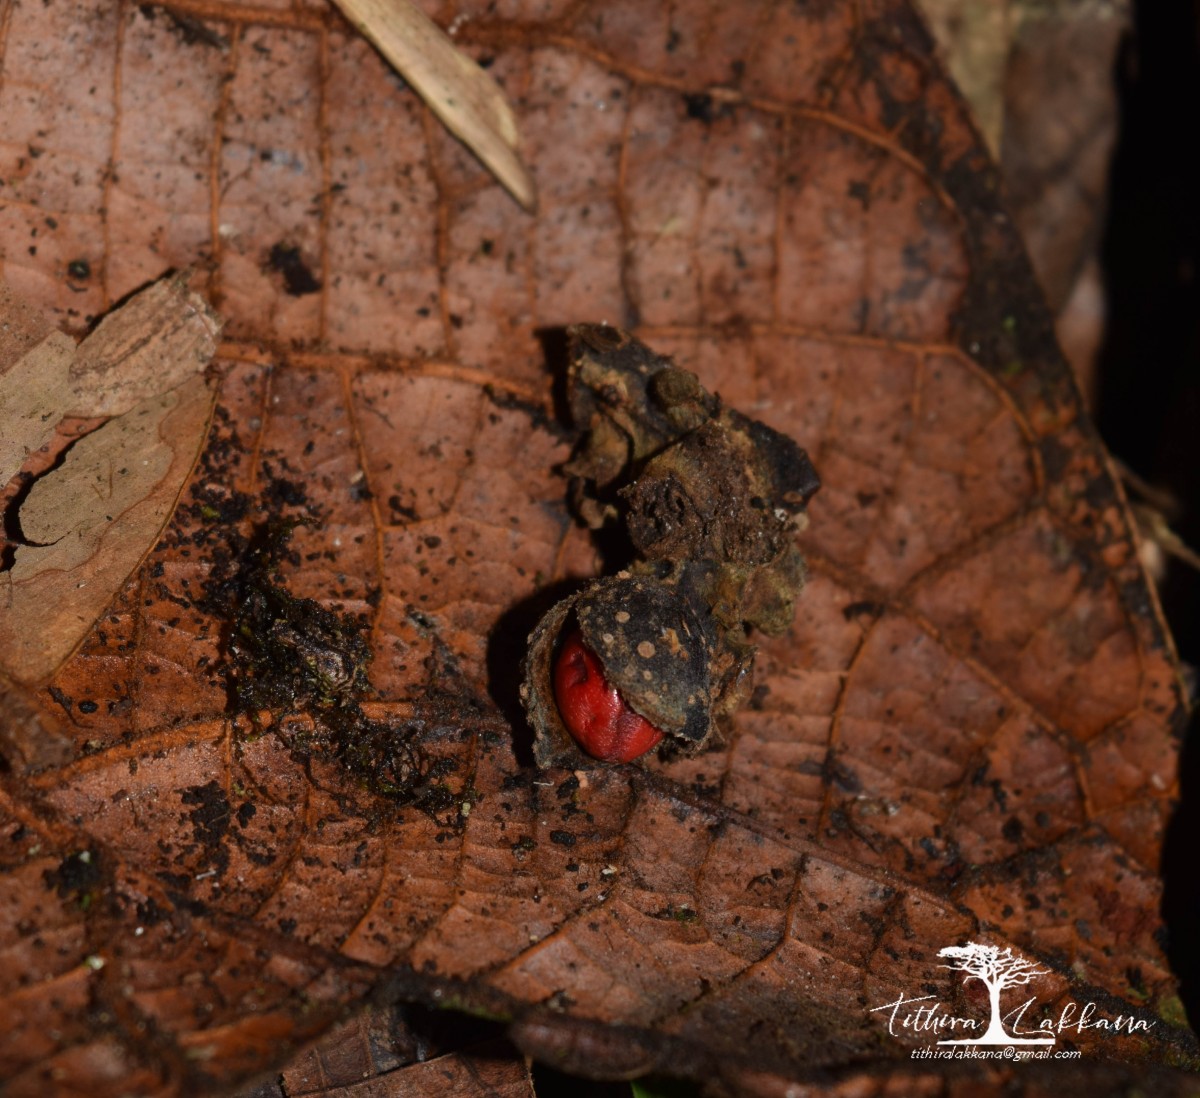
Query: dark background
x,y
1148,399
1148,406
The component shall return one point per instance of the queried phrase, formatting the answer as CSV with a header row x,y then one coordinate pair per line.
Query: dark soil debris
x,y
298,279
286,656
78,876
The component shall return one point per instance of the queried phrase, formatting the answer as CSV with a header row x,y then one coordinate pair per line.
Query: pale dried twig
x,y
467,100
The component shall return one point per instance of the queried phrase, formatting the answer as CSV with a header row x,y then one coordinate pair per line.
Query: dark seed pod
x,y
653,649
711,501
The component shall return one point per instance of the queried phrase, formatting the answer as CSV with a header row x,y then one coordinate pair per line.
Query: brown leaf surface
x,y
384,1054
970,731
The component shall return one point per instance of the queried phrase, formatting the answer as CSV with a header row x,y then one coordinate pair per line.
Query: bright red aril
x,y
594,712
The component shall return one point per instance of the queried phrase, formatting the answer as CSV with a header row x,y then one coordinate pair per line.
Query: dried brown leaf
x,y
381,1055
30,739
970,732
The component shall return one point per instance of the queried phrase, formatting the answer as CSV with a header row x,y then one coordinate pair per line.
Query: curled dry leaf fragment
x,y
159,339
35,388
85,524
467,100
710,500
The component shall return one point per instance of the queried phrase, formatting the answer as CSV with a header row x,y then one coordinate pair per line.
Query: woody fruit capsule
x,y
657,656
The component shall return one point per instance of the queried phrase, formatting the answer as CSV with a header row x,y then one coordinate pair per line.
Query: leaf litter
x,y
902,778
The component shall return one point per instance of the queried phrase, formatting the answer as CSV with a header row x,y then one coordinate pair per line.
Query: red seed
x,y
594,712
